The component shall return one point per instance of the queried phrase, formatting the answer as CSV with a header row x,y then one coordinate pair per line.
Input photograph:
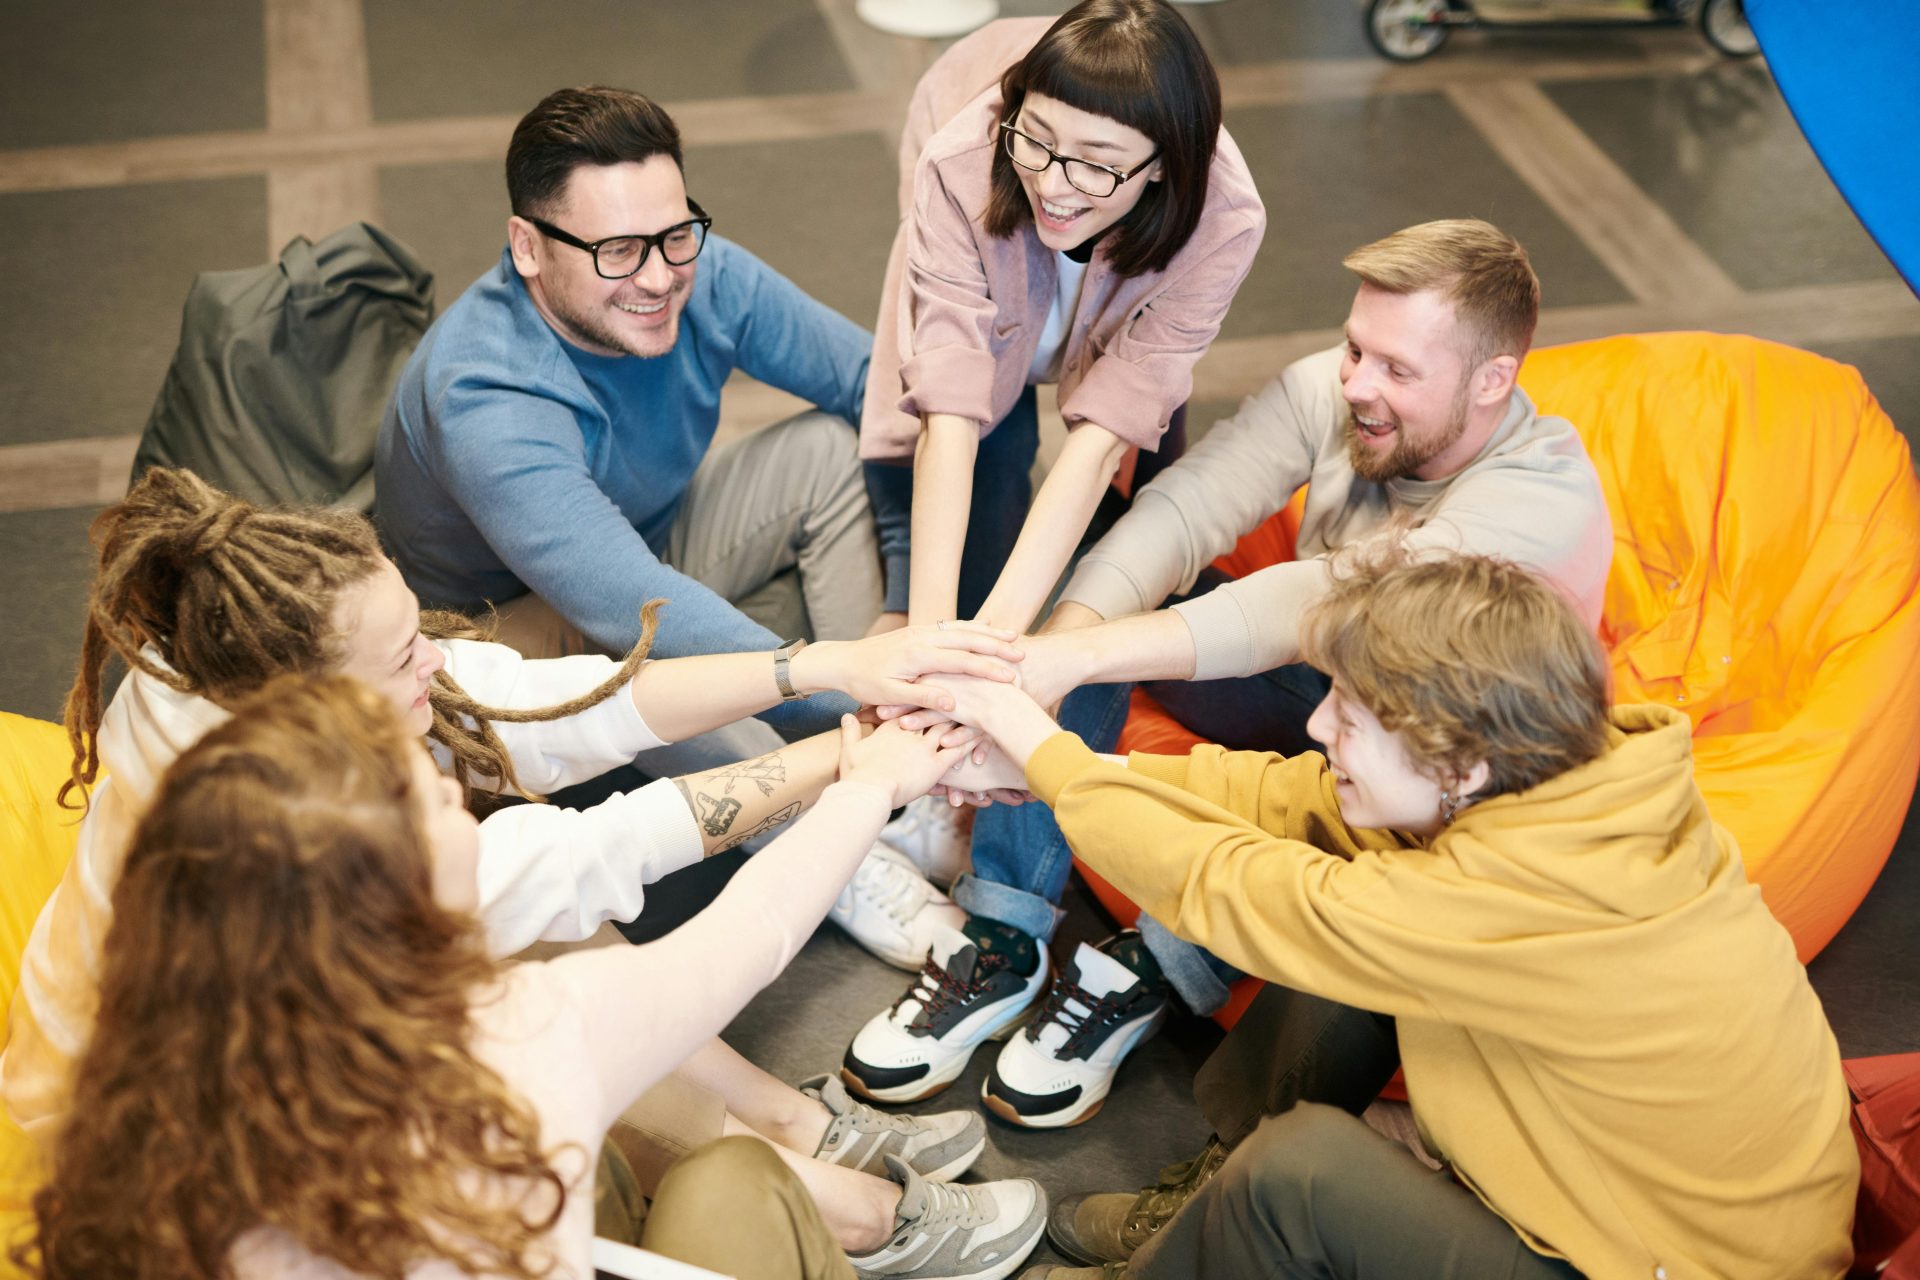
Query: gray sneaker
x,y
942,1231
939,1147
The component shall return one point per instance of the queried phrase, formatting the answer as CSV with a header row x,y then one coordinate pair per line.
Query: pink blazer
x,y
962,312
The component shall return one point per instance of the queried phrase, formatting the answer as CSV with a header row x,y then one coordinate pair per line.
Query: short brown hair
x,y
1467,658
589,125
1477,267
1138,62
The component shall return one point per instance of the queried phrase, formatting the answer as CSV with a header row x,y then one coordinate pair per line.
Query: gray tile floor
x,y
135,150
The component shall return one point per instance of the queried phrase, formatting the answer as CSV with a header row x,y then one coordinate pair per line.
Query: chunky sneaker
x,y
936,835
976,1231
938,1148
892,910
977,982
1108,1226
1057,1072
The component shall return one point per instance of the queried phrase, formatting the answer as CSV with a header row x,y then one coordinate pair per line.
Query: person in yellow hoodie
x,y
1607,1040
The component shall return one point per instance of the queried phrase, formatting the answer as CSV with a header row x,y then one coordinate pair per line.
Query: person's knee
x,y
827,440
1288,1152
729,1171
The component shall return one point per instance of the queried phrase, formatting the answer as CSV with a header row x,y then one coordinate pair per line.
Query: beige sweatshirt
x,y
1603,1030
1531,496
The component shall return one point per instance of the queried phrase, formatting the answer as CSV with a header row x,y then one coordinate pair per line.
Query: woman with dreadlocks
x,y
207,598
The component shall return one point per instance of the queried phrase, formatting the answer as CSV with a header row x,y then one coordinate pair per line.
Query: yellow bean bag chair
x,y
36,843
1766,529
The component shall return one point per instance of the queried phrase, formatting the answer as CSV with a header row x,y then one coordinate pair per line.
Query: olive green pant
x,y
1315,1194
732,1207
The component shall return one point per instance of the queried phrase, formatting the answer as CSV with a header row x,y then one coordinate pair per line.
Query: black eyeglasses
x,y
618,257
1087,176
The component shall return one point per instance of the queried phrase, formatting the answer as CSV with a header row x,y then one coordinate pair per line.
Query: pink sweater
x,y
962,312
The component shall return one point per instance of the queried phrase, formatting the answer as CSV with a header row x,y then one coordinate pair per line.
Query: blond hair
x,y
285,1032
1468,659
232,595
1474,265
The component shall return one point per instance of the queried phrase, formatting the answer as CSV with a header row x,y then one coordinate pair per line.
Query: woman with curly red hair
x,y
308,1063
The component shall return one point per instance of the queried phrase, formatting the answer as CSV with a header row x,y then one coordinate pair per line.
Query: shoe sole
x,y
1088,1105
940,1079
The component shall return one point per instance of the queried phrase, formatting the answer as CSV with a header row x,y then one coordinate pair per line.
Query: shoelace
x,y
949,1205
936,989
1094,1012
887,885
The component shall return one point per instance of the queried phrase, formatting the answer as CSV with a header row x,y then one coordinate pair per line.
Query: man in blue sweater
x,y
546,450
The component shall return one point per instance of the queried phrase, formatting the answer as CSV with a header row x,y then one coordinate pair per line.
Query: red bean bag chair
x,y
1767,552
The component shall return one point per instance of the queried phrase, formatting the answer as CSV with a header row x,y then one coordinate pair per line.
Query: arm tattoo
x,y
762,827
715,807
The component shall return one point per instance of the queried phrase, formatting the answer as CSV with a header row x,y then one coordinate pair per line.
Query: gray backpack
x,y
283,371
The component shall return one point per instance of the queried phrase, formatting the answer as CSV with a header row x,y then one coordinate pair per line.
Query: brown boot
x,y
1108,1226
1047,1271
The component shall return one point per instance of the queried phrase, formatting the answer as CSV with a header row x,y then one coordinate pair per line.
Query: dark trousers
x,y
1317,1195
1290,1048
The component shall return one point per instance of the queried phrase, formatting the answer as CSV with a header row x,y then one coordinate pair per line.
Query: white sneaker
x,y
892,910
956,1231
936,835
1059,1069
968,992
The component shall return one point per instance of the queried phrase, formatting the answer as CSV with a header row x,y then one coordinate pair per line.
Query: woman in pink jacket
x,y
1077,216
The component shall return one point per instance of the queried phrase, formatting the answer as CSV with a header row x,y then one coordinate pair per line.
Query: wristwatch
x,y
782,674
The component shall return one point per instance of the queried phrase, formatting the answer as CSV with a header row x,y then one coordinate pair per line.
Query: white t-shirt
x,y
1053,338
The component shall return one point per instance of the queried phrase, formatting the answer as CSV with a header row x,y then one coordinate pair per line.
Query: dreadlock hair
x,y
231,595
285,1034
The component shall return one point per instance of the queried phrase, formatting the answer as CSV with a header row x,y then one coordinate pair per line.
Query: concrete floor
x,y
141,144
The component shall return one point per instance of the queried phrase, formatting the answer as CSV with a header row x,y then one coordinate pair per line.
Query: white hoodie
x,y
545,873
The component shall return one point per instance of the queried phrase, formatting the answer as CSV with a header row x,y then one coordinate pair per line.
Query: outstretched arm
x,y
1058,518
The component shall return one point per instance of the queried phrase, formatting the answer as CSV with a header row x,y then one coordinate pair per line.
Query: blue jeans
x,y
1021,858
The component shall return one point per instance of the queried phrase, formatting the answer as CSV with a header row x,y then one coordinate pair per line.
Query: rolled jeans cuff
x,y
1196,975
1028,912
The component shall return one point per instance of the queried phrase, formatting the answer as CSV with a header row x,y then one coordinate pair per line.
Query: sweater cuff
x,y
1171,770
1105,588
1222,635
1125,399
952,380
1055,763
663,829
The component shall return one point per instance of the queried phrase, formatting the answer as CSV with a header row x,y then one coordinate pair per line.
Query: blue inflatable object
x,y
1850,72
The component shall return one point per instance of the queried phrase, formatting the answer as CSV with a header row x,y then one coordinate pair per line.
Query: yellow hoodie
x,y
1603,1030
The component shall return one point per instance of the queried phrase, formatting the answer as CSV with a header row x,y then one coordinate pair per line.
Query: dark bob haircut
x,y
1138,62
572,127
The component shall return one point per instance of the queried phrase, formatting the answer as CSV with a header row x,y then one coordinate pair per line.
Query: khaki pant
x,y
777,524
664,1124
732,1207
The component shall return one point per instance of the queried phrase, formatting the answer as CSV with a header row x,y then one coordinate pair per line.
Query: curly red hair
x,y
284,1036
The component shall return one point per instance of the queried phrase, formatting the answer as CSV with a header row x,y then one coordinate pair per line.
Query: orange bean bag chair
x,y
1766,529
36,843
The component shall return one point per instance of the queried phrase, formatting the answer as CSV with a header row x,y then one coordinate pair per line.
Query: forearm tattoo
x,y
714,806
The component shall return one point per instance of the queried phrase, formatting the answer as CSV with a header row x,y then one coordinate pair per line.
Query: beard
x,y
592,323
1408,454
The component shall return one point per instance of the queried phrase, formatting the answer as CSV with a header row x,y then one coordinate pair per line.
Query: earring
x,y
1449,808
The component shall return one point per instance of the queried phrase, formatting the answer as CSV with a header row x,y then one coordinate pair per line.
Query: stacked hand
x,y
903,762
885,669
